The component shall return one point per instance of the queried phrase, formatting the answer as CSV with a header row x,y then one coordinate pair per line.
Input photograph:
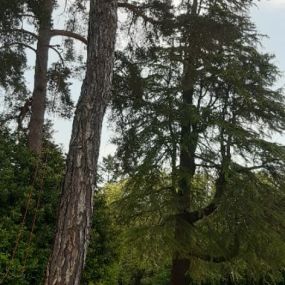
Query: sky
x,y
269,17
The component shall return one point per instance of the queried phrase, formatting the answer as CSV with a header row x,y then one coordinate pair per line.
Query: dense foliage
x,y
198,103
128,242
29,190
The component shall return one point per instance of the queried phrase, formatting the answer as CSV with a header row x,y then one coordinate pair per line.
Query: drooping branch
x,y
54,33
68,34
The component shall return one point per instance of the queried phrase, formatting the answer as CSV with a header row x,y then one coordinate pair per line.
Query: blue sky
x,y
269,17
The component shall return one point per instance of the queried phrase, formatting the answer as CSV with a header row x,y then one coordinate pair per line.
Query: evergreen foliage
x,y
20,22
29,196
29,190
199,102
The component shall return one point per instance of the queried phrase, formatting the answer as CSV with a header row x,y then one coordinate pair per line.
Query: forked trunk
x,y
36,125
75,212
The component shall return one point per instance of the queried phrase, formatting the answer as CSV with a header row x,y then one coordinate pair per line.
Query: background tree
x,y
37,16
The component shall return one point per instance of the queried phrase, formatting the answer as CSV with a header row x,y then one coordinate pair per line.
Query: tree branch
x,y
240,168
137,11
195,216
68,34
25,32
28,15
19,43
58,53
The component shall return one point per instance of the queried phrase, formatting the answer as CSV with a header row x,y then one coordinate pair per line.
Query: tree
x,y
38,16
198,100
75,212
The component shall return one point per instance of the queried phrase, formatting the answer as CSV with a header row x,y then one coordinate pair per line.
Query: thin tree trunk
x,y
38,107
75,212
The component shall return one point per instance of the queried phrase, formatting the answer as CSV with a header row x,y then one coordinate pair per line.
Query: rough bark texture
x,y
40,80
75,212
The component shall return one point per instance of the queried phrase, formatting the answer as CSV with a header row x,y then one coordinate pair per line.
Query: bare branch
x,y
68,34
58,53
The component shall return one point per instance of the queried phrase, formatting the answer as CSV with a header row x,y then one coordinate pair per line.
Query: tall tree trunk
x,y
36,124
75,211
188,145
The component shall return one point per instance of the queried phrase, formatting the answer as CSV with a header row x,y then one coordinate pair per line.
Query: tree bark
x,y
68,34
76,205
35,128
180,266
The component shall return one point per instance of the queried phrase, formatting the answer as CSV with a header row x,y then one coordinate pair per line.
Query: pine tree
x,y
76,205
37,16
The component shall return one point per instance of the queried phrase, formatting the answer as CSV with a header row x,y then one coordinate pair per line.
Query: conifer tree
x,y
198,100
